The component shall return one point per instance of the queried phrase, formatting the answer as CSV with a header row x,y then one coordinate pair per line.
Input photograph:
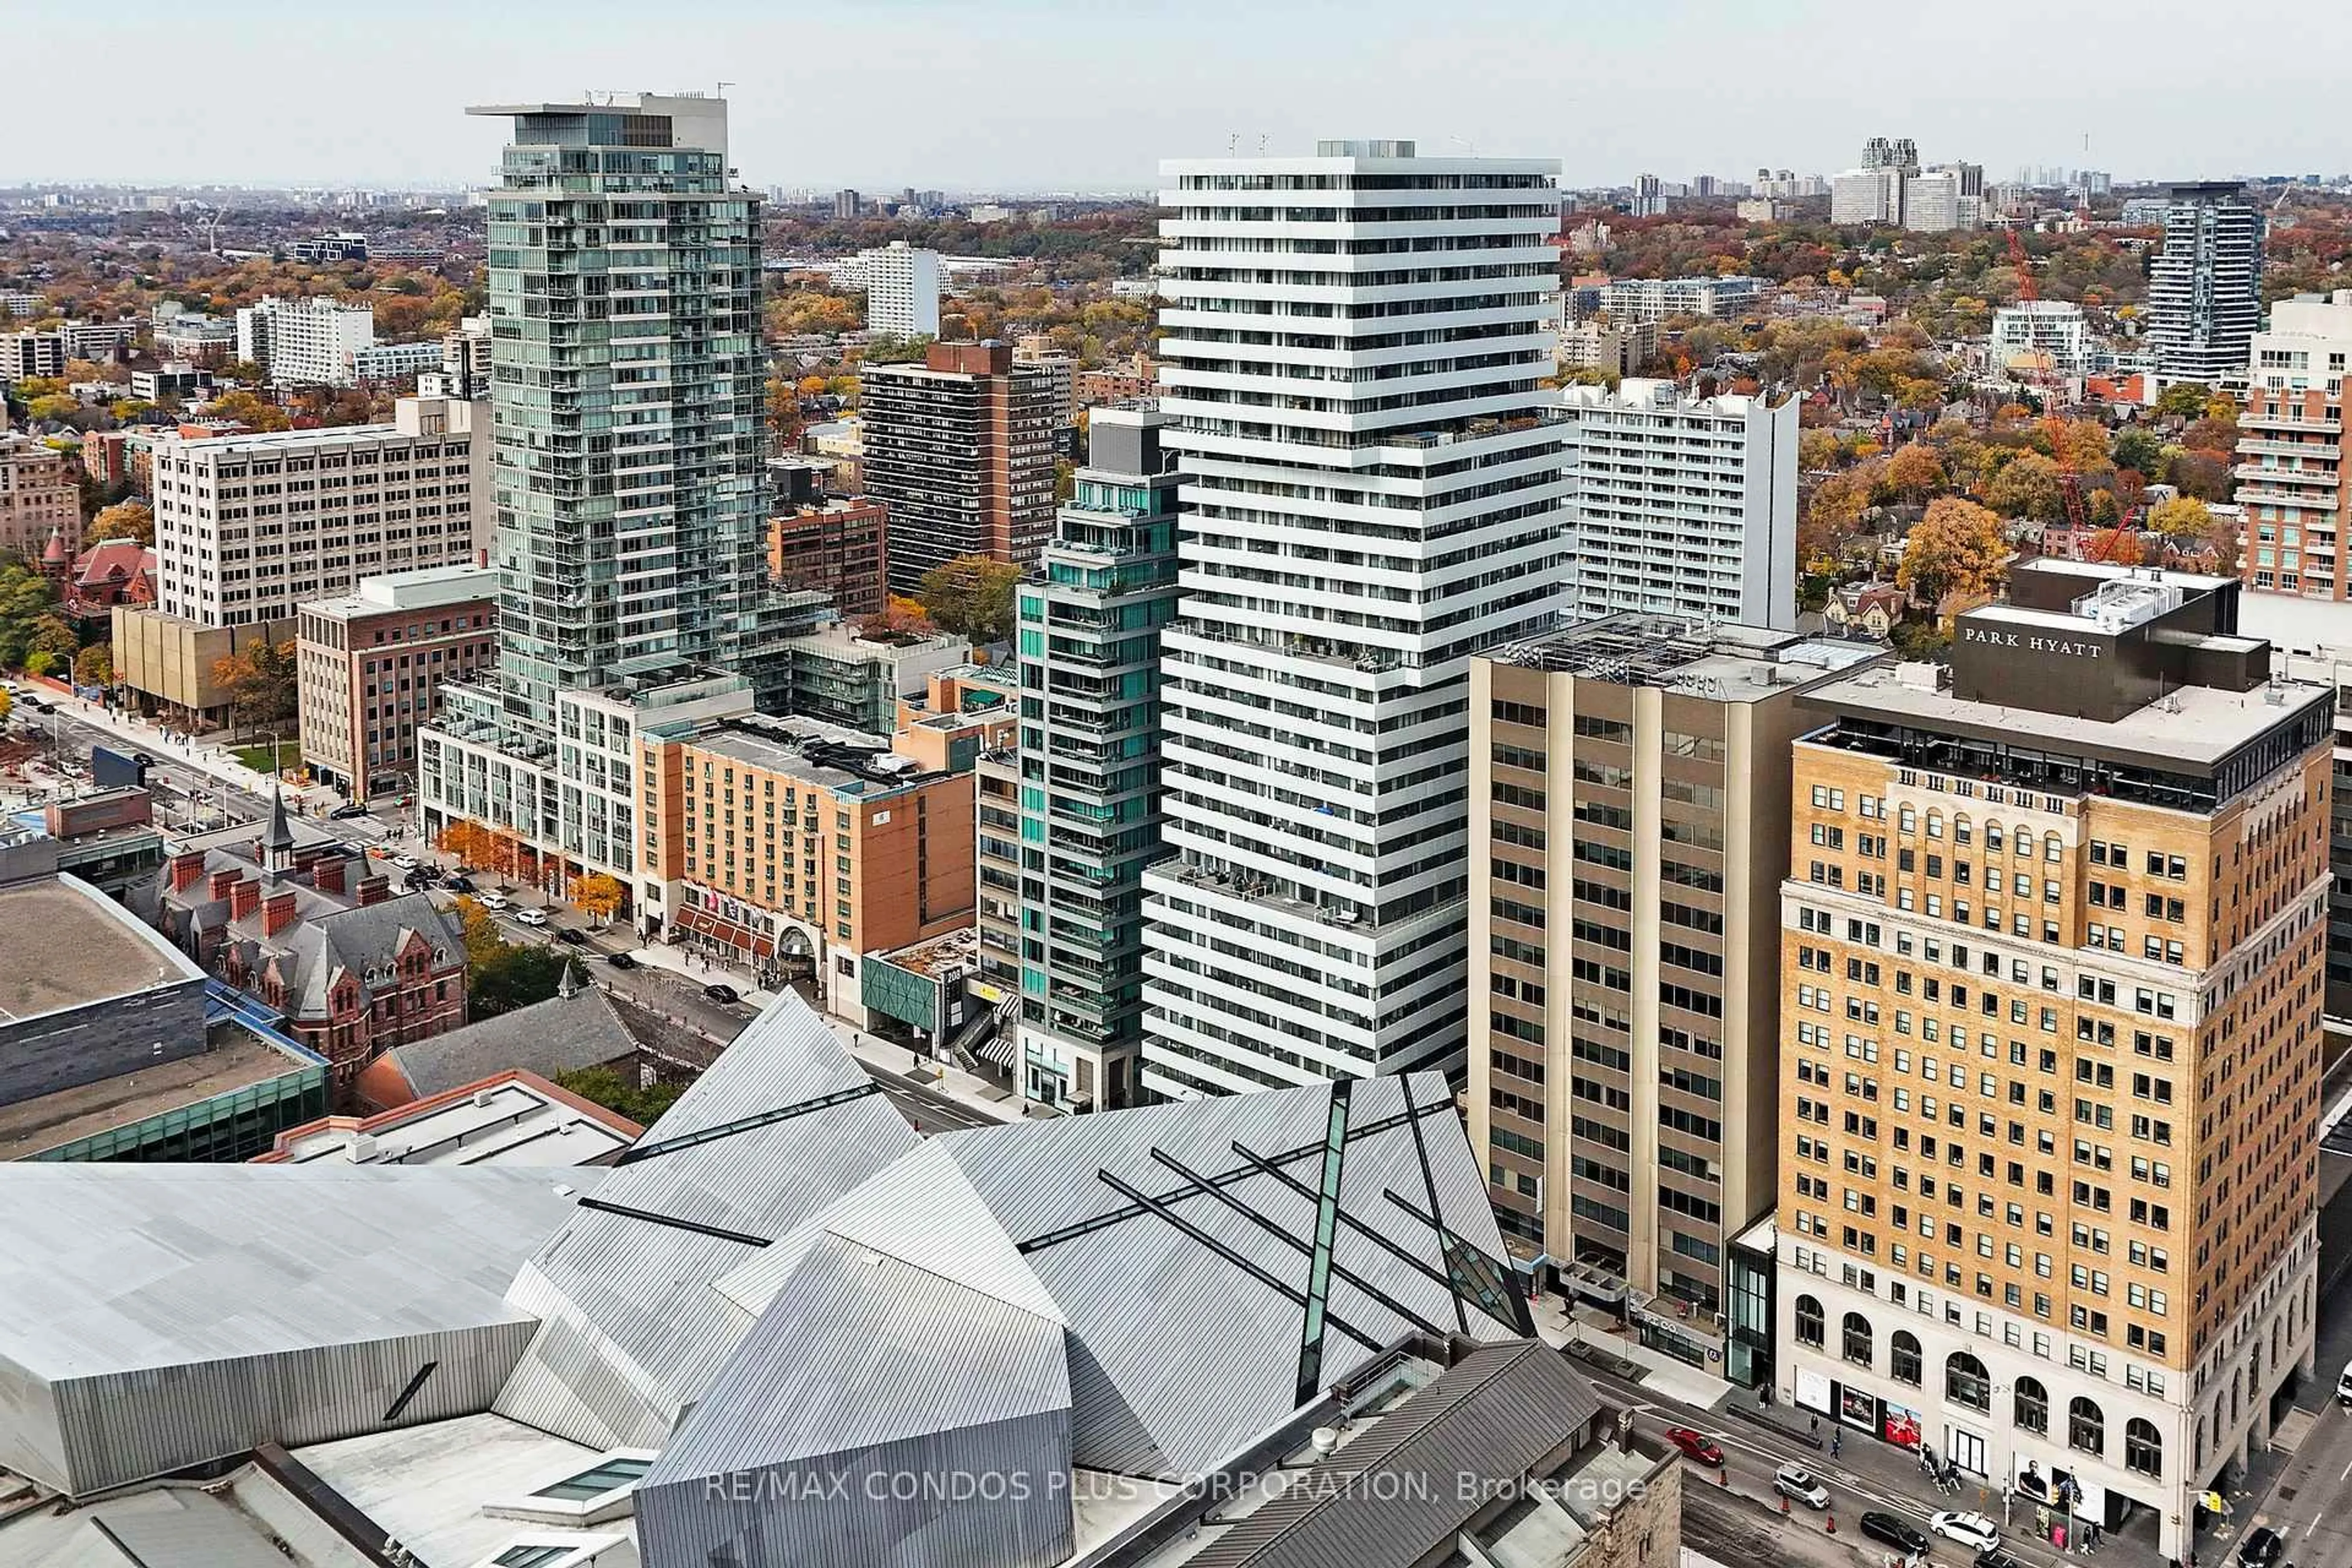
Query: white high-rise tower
x,y
1374,491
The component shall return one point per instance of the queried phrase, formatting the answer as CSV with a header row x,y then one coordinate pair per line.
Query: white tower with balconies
x,y
1373,491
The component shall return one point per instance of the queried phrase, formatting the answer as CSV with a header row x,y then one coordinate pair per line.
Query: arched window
x,y
1905,1350
1857,1347
1812,1323
1966,1381
2032,1405
2143,1448
2086,1426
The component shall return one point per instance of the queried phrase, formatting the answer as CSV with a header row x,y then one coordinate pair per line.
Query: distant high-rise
x,y
1350,538
2295,462
1649,195
1685,506
2205,286
902,290
961,449
848,203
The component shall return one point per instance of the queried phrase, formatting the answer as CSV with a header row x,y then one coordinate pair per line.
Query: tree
x,y
249,409
2181,518
260,682
27,598
2185,399
612,1088
2136,447
599,895
7,706
2100,510
2027,486
477,929
468,841
515,977
1914,472
2116,548
124,519
972,597
51,634
94,666
1957,548
1832,516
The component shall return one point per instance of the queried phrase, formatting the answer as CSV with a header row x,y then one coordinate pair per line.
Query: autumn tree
x,y
27,599
468,841
94,666
901,620
246,408
2117,547
2184,399
260,683
2136,448
125,519
7,706
1832,516
598,895
1957,548
1914,472
2100,510
972,597
2027,486
2181,518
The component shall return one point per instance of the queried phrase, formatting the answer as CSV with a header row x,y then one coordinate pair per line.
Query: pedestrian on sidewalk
x,y
1835,1438
1813,1425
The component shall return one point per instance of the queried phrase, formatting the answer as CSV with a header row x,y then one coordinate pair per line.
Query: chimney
x,y
245,898
276,912
373,890
187,868
327,874
222,882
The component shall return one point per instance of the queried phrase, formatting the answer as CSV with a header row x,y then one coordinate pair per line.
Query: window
x,y
2032,1405
1857,1347
613,1473
2086,1426
532,1556
2143,1448
1812,1323
1965,1382
1903,1351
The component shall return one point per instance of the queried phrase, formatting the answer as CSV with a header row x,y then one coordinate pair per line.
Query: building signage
x,y
1813,1390
2033,642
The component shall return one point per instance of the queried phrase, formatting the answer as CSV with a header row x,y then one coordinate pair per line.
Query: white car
x,y
1973,1531
2343,1386
530,917
405,862
1796,1482
492,900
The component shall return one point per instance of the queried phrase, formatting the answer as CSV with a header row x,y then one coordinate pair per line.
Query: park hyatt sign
x,y
2031,642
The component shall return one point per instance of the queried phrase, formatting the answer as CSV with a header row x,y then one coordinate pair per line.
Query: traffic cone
x,y
1833,1524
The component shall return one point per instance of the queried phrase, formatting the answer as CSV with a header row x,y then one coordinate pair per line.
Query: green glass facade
x,y
226,1129
1067,824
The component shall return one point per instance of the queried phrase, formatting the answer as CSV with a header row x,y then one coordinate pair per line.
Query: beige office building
x,y
1628,837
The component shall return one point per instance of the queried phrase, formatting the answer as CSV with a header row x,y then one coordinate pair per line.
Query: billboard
x,y
113,770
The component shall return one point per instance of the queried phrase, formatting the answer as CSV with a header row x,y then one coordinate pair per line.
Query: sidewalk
x,y
214,762
967,1089
1558,1325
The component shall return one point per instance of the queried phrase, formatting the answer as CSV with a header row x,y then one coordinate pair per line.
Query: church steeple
x,y
278,844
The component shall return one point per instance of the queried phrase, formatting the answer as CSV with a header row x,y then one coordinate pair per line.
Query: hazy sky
x,y
1090,94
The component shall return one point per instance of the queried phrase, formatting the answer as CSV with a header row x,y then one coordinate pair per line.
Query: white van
x,y
2343,1386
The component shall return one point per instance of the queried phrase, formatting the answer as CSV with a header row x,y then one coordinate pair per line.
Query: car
x,y
37,706
530,917
1694,1445
2261,1547
718,993
576,937
1997,1558
1973,1531
2343,1386
345,813
142,759
459,884
1796,1482
620,961
405,862
493,900
1895,1531
420,881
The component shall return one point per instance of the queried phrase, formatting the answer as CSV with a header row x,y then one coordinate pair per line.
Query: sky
x,y
1031,95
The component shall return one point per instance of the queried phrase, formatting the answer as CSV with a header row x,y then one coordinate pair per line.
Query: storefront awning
x,y
1002,1049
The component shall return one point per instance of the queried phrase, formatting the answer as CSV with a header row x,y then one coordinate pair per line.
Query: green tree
x,y
27,598
972,597
94,666
2136,447
515,977
613,1089
2185,399
53,636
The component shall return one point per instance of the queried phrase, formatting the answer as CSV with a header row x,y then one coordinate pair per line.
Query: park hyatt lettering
x,y
2057,648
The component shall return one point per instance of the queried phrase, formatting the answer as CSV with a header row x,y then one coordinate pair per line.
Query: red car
x,y
1694,1445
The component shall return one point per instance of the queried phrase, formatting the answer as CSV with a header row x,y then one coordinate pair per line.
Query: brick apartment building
x,y
40,497
961,449
369,665
836,545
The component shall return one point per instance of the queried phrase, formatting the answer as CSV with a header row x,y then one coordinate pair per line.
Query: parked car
x,y
1973,1531
1694,1445
1997,1558
2261,1547
718,993
459,884
405,862
576,937
1796,1482
37,706
530,917
1892,1530
142,759
344,812
2343,1386
494,901
620,961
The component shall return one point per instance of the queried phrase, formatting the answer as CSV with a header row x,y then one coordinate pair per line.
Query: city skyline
x,y
1580,89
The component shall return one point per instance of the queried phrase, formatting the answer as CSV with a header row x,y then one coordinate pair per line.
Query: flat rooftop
x,y
509,1122
1728,662
2195,726
64,944
427,587
238,1060
833,765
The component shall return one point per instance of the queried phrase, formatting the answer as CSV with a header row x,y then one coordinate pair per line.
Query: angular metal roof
x,y
634,1331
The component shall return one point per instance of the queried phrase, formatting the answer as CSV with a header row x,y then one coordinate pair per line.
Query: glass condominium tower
x,y
624,307
1373,491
